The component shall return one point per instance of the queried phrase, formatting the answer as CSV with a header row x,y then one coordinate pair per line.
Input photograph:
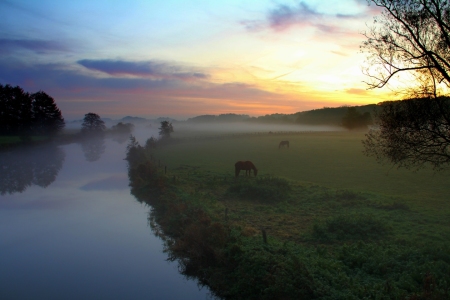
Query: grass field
x,y
331,159
337,222
326,163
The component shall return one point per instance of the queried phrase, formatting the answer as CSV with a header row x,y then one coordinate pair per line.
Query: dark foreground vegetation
x,y
267,237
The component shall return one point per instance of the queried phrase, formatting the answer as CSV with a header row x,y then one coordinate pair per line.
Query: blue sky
x,y
182,59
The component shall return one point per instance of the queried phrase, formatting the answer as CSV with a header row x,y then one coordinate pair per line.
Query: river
x,y
70,229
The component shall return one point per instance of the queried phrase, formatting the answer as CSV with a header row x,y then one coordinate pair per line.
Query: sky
x,y
181,59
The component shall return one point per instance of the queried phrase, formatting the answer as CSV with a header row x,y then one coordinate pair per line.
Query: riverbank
x,y
274,238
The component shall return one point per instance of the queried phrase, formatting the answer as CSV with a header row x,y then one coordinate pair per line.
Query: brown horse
x,y
283,143
248,166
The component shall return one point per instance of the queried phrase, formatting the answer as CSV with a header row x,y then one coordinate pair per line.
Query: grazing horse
x,y
248,166
283,143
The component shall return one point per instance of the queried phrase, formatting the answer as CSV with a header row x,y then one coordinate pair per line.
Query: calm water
x,y
76,232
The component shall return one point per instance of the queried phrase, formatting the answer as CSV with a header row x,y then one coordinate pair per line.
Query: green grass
x,y
330,179
339,226
331,159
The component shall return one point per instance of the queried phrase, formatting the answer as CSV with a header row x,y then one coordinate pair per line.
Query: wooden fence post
x,y
264,235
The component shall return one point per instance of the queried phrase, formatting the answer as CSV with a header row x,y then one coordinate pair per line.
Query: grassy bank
x,y
319,221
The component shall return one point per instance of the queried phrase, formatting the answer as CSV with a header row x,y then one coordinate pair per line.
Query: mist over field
x,y
245,127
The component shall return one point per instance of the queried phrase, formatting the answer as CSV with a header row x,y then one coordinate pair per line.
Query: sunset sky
x,y
181,59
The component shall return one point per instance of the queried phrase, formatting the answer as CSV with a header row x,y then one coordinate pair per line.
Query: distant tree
x,y
47,118
166,129
353,119
151,143
122,128
92,123
133,143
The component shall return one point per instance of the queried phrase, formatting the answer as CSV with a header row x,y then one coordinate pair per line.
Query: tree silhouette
x,y
47,118
166,129
92,124
121,131
15,110
412,133
122,128
411,37
25,114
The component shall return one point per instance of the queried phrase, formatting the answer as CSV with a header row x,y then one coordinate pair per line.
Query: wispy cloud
x,y
284,16
151,69
356,91
80,92
37,46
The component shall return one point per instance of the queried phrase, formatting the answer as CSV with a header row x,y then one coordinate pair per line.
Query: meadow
x,y
331,159
320,220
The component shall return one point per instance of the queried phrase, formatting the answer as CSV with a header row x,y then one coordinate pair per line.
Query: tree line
x,y
24,114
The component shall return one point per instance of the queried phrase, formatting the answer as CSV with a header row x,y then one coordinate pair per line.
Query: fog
x,y
144,130
245,127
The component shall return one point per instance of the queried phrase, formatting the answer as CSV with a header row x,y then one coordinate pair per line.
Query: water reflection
x,y
121,138
84,236
115,182
93,146
24,167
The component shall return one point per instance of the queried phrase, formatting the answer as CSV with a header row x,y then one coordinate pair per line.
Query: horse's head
x,y
256,171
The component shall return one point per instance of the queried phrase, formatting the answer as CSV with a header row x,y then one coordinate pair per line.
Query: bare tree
x,y
411,41
410,36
